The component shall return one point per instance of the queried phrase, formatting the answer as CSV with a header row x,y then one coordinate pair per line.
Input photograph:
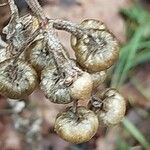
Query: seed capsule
x,y
39,55
110,108
96,49
63,90
53,87
17,80
76,127
81,88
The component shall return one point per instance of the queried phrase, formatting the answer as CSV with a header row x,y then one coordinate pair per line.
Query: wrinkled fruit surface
x,y
76,127
17,81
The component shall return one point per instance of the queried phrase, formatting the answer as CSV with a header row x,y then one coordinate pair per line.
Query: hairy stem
x,y
68,26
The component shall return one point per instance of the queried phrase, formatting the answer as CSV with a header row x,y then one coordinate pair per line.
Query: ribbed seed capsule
x,y
18,33
76,127
53,86
97,49
39,55
17,80
63,90
110,108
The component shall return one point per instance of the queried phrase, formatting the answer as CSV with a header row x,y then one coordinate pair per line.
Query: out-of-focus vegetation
x,y
137,48
136,51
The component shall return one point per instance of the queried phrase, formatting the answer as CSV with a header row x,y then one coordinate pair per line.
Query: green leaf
x,y
136,134
142,57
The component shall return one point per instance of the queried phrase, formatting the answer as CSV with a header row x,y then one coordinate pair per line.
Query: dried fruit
x,y
53,86
39,55
17,79
110,108
82,87
76,127
96,49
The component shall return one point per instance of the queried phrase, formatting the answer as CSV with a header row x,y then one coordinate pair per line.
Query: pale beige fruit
x,y
110,108
81,89
17,80
76,127
95,50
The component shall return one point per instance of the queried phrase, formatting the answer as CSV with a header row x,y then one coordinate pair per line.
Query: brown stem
x,y
72,28
68,26
54,44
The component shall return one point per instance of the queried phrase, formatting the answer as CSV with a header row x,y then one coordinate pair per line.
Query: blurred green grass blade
x,y
140,39
144,45
136,134
142,57
127,55
119,66
135,13
134,43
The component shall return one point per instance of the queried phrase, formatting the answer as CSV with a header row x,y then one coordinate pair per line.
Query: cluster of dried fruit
x,y
35,56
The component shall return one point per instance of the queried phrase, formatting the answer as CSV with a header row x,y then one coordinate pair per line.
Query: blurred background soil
x,y
138,103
